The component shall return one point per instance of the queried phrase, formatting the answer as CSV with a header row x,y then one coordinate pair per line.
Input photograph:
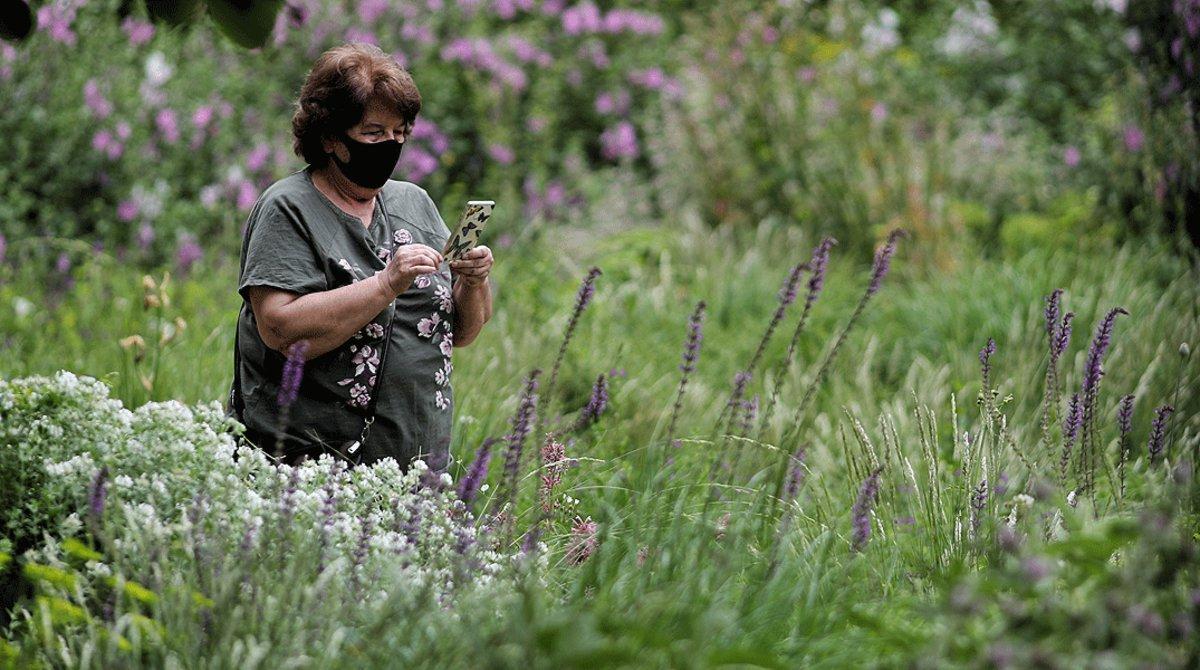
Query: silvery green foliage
x,y
180,489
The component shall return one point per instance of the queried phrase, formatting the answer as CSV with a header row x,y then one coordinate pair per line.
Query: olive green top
x,y
298,240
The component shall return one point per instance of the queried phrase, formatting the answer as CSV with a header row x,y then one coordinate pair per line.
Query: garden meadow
x,y
827,334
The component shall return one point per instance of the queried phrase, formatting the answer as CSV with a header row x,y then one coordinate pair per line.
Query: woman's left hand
x,y
474,266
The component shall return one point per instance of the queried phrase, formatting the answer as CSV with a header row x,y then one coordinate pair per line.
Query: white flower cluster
x,y
176,477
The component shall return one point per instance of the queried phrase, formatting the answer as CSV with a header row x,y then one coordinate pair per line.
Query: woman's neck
x,y
342,189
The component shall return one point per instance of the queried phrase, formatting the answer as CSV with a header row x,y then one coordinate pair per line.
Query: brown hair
x,y
343,81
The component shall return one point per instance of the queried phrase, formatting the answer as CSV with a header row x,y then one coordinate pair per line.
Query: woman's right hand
x,y
408,262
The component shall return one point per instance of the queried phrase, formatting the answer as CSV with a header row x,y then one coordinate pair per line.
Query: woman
x,y
332,254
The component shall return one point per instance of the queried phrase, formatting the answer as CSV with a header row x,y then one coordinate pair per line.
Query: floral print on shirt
x,y
366,350
437,327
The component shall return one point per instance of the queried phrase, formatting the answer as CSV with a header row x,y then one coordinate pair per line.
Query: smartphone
x,y
466,236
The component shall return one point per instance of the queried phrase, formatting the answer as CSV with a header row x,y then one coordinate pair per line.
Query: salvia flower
x,y
1158,431
985,359
596,403
554,454
691,349
1063,340
861,511
1125,415
522,424
583,541
883,260
795,475
817,266
469,485
293,370
98,493
1094,368
1053,308
587,289
1071,424
787,292
691,353
978,501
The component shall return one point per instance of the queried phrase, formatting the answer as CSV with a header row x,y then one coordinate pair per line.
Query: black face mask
x,y
371,163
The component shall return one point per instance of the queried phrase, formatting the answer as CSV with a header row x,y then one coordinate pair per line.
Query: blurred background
x,y
136,135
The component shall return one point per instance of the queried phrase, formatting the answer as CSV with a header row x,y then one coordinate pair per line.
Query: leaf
x,y
247,22
182,13
16,21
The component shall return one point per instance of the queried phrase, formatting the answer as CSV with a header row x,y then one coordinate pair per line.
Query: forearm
x,y
472,309
326,319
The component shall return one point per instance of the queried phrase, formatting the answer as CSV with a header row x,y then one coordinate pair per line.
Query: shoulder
x,y
411,202
283,196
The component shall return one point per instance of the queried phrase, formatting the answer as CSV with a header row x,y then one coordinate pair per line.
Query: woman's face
x,y
379,124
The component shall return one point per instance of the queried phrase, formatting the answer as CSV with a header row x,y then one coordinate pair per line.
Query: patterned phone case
x,y
473,220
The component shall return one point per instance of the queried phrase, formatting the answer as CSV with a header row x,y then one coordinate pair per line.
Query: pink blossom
x,y
370,10
652,78
1071,156
101,140
145,235
167,124
807,74
501,153
553,7
63,264
417,163
536,124
139,32
123,130
95,100
257,158
360,35
769,34
1135,139
247,195
188,253
128,210
505,9
3,247
582,18
879,112
56,18
202,116
619,141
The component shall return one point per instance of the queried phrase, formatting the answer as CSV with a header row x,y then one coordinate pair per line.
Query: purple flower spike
x,y
795,475
522,424
469,485
293,370
1074,419
1053,308
1125,415
587,289
818,265
98,493
1100,343
691,353
883,260
787,293
597,403
691,349
1158,431
985,359
1064,337
861,511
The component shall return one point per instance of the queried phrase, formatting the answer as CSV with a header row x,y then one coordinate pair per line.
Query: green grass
x,y
677,583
